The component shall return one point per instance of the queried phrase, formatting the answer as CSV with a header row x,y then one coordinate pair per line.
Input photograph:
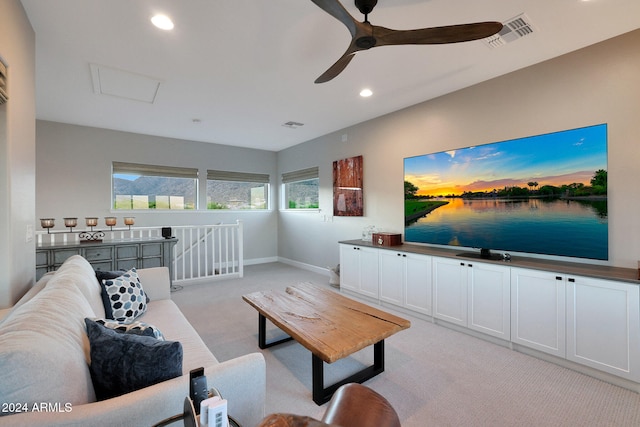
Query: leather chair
x,y
352,405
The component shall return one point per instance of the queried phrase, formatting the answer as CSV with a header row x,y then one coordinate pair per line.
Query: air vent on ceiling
x,y
512,30
3,83
292,125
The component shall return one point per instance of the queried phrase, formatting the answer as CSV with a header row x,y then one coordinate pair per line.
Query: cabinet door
x,y
489,299
538,310
151,250
392,265
450,290
60,255
369,272
603,325
126,252
349,267
417,281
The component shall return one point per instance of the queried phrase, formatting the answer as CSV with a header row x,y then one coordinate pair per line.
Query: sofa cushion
x,y
125,296
80,272
121,363
136,328
44,349
166,315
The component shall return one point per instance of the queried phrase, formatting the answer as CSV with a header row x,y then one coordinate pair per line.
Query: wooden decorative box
x,y
386,239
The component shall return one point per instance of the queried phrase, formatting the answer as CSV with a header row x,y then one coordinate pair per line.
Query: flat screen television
x,y
544,194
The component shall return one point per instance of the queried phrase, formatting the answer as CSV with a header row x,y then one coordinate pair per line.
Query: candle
x,y
91,221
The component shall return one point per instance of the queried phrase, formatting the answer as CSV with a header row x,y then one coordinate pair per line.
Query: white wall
x,y
598,84
74,178
17,153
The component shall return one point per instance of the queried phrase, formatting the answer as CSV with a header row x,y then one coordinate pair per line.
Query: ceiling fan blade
x,y
436,35
335,9
336,68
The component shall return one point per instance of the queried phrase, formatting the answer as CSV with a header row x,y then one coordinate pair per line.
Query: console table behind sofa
x,y
108,255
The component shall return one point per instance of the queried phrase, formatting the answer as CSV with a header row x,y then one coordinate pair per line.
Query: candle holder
x,y
47,223
70,223
110,221
91,236
129,220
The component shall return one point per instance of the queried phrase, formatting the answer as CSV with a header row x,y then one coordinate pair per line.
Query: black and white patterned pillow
x,y
135,328
126,296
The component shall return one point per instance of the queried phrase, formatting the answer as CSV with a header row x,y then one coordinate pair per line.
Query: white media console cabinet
x,y
582,316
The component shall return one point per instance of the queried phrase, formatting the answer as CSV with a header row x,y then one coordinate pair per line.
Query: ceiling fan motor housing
x,y
366,42
366,6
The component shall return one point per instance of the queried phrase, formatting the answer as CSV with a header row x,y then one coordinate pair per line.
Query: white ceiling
x,y
243,68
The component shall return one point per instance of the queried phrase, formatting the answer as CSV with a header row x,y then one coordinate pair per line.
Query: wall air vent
x,y
3,83
514,29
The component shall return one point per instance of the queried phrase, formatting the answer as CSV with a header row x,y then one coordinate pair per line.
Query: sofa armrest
x,y
242,381
155,282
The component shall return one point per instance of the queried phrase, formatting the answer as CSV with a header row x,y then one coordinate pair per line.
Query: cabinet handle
x,y
404,255
399,254
462,264
469,265
571,279
558,278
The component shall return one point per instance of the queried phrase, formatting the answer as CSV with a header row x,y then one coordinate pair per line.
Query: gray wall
x,y
598,84
17,153
74,178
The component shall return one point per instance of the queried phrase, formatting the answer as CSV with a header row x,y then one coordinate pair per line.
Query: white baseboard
x,y
255,261
302,265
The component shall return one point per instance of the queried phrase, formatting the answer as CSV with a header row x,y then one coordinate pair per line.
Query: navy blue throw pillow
x,y
122,363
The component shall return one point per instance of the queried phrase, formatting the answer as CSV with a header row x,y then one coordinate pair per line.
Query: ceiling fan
x,y
365,35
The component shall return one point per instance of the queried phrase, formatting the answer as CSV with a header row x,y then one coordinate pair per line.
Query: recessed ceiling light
x,y
163,22
365,93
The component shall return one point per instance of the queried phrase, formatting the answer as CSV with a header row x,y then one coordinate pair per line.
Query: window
x,y
301,189
138,186
237,190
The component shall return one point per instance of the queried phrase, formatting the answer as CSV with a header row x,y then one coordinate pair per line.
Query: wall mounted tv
x,y
544,194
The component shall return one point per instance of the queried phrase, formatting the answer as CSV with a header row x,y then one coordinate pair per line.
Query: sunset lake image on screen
x,y
544,194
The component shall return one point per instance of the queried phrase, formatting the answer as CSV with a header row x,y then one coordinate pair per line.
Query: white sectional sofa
x,y
45,358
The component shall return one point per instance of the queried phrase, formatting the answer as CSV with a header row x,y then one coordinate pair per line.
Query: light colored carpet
x,y
433,376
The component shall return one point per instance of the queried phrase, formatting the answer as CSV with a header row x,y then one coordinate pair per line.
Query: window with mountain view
x,y
237,190
301,189
143,187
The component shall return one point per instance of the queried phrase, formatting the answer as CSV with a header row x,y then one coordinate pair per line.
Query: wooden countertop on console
x,y
629,275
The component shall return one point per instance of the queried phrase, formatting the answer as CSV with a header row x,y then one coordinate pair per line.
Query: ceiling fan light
x,y
365,93
163,22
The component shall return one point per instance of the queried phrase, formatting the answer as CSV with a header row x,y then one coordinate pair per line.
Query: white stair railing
x,y
208,251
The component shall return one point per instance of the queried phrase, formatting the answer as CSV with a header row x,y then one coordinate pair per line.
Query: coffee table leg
x,y
262,333
322,395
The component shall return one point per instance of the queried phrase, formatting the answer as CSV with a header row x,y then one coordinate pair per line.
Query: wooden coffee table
x,y
329,325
